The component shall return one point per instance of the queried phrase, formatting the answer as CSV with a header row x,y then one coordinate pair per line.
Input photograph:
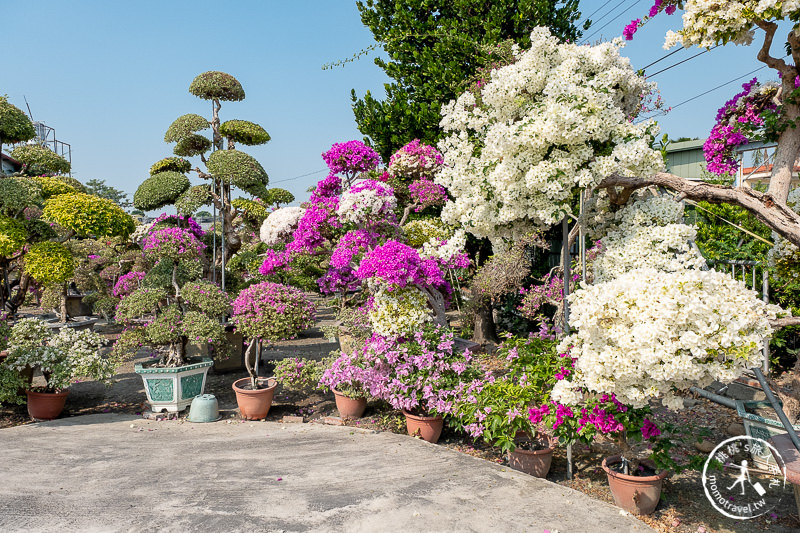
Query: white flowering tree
x,y
556,123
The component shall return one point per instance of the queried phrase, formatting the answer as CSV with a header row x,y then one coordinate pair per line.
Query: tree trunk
x,y
176,356
64,302
780,181
484,329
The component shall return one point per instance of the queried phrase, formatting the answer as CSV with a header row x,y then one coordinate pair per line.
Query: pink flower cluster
x,y
351,158
128,283
416,159
421,374
736,122
172,243
427,193
182,221
351,244
330,186
400,265
634,25
271,311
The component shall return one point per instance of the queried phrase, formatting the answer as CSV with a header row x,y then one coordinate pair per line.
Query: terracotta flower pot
x,y
46,405
533,462
427,427
349,407
638,495
254,404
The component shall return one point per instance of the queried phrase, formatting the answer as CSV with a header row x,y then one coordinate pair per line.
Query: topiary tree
x,y
226,167
15,126
181,310
84,216
37,160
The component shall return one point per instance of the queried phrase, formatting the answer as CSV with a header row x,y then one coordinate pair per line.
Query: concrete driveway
x,y
122,473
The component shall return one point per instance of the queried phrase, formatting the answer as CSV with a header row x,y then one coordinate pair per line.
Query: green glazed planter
x,y
173,389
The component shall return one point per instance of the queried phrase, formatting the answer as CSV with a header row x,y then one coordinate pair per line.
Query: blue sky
x,y
110,77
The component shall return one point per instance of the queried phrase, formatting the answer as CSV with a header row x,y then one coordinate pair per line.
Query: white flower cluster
x,y
446,252
365,205
399,312
649,235
280,224
785,256
556,119
709,22
649,334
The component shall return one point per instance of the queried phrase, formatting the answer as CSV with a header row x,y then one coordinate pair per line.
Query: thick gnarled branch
x,y
763,206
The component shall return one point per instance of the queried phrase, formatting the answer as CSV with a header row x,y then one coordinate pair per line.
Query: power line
x,y
706,92
608,13
593,14
663,58
683,61
301,175
613,19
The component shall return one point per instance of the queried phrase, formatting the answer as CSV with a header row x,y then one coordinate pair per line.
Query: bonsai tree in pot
x,y
266,312
173,312
61,358
498,411
348,377
422,375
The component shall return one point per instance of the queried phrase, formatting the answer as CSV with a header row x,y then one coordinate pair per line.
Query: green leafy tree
x,y
433,47
37,160
226,167
15,126
99,188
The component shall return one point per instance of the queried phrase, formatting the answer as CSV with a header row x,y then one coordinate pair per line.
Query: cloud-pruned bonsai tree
x,y
225,166
174,308
38,160
15,127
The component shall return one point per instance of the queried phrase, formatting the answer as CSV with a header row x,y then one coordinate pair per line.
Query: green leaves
x,y
184,126
237,168
159,190
215,85
15,126
49,263
37,160
88,216
173,164
192,145
244,132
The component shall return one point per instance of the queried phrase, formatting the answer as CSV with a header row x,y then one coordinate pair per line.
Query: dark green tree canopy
x,y
244,132
193,199
192,145
159,190
433,47
99,188
37,160
15,126
176,164
185,125
215,85
237,168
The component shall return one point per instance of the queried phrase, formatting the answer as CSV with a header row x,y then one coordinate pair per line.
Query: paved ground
x,y
113,472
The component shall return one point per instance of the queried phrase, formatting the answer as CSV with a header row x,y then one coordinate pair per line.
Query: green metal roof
x,y
686,159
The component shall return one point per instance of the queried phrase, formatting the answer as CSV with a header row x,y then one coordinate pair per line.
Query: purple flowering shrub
x,y
299,374
415,160
351,158
421,374
425,193
187,222
270,312
400,265
127,283
172,243
349,375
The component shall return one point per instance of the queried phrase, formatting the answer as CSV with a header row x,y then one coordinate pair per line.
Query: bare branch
x,y
763,54
774,214
784,322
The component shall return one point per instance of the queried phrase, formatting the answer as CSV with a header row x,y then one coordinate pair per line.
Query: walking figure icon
x,y
744,473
